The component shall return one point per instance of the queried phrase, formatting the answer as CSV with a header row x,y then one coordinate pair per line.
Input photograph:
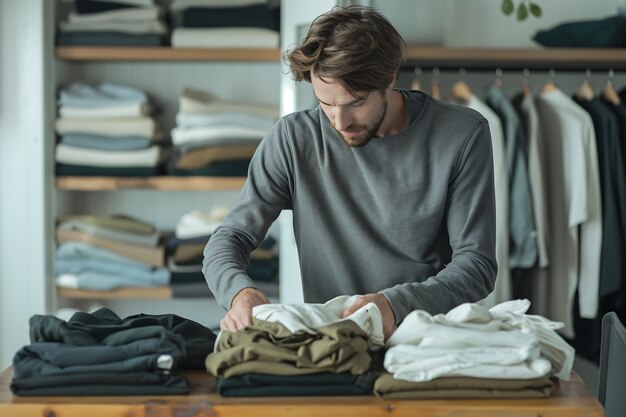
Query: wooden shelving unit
x,y
156,183
162,293
106,53
559,58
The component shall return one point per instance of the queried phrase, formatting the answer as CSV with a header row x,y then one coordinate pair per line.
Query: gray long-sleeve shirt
x,y
410,215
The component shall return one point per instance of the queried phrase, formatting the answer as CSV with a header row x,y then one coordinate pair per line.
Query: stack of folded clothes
x,y
186,253
105,253
473,352
217,138
106,130
102,354
225,24
300,349
114,23
123,235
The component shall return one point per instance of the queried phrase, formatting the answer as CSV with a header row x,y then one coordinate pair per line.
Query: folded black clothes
x,y
90,6
52,359
106,383
262,385
105,327
235,168
181,278
257,16
605,33
109,39
90,171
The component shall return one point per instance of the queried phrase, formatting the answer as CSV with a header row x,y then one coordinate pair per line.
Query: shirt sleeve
x,y
266,192
470,220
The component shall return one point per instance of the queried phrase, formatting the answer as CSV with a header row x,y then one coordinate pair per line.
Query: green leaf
x,y
522,12
535,9
507,7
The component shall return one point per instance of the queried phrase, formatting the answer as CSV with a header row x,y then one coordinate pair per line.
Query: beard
x,y
367,132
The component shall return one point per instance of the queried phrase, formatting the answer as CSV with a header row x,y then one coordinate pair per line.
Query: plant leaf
x,y
507,7
522,12
535,9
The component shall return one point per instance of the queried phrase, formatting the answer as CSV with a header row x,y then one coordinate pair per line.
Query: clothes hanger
x,y
435,89
416,84
585,92
550,86
609,92
460,90
498,81
526,82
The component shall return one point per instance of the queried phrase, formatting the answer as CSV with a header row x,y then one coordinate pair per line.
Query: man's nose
x,y
343,120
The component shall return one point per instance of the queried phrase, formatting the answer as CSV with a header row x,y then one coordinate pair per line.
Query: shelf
x,y
544,58
156,183
164,293
107,53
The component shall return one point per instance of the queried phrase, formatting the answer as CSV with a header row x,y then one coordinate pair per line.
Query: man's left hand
x,y
389,319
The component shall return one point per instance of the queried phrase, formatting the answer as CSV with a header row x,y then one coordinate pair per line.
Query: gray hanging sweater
x,y
410,215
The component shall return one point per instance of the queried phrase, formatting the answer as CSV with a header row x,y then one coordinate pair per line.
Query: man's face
x,y
357,120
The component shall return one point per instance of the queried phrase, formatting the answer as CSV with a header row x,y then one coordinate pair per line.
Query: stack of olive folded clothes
x,y
107,130
113,23
299,349
215,137
225,24
102,354
185,256
474,352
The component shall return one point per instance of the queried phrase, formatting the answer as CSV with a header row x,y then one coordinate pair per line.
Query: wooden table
x,y
571,399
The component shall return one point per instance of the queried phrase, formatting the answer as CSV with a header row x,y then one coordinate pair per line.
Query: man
x,y
391,191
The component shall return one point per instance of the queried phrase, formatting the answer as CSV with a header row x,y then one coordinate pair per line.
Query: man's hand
x,y
240,313
389,318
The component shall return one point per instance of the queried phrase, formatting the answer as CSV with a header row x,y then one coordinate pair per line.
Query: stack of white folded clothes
x,y
217,138
501,349
115,23
105,253
225,24
107,130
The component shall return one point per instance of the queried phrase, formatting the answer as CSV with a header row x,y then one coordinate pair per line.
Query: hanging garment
x,y
573,191
523,243
502,291
533,283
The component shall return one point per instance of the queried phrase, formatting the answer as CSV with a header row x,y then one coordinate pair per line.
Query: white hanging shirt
x,y
575,216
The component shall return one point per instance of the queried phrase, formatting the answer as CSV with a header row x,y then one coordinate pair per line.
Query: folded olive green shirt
x,y
123,223
386,386
270,348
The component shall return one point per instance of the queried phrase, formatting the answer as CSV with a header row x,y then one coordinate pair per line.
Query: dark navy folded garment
x,y
109,39
90,171
257,16
605,33
262,385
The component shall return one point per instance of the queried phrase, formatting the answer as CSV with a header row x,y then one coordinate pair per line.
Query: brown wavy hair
x,y
354,45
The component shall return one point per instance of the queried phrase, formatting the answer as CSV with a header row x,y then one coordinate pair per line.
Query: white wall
x,y
23,183
480,23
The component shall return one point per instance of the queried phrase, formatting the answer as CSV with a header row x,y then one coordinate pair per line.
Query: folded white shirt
x,y
227,118
200,101
505,325
181,136
121,110
227,37
197,224
308,317
72,155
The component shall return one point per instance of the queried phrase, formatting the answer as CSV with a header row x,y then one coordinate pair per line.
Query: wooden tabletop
x,y
570,399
